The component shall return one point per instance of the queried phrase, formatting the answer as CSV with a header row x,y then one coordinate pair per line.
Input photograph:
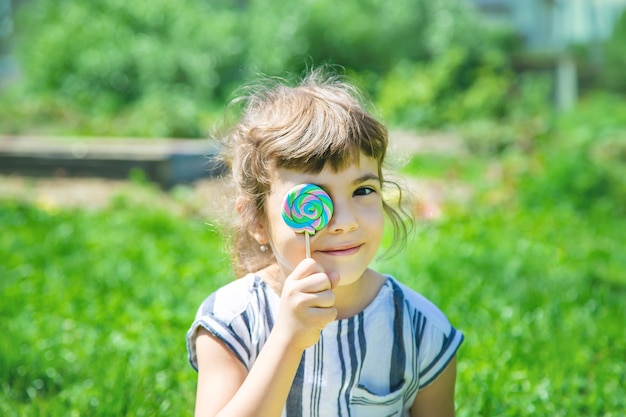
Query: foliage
x,y
531,269
96,304
479,95
584,165
448,90
600,62
537,295
579,164
526,118
376,35
154,68
615,59
144,60
95,307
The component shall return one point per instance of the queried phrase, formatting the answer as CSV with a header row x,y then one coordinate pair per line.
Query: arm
x,y
437,399
226,388
220,374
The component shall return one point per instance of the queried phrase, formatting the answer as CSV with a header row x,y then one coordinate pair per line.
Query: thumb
x,y
334,279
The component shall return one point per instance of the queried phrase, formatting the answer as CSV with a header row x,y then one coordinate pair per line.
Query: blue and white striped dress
x,y
372,364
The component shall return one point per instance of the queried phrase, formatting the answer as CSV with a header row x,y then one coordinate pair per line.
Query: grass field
x,y
95,305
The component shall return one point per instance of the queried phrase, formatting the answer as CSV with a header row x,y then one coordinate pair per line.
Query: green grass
x,y
540,298
95,305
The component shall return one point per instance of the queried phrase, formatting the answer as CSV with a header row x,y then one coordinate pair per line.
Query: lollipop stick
x,y
308,245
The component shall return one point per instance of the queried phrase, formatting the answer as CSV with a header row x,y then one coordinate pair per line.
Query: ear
x,y
259,234
241,203
256,226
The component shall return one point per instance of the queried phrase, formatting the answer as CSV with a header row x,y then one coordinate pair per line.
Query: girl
x,y
326,335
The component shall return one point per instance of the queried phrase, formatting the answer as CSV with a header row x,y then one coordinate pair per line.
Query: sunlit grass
x,y
95,307
539,297
530,265
95,304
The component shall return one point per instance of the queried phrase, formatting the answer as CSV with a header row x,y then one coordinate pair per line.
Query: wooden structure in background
x,y
165,161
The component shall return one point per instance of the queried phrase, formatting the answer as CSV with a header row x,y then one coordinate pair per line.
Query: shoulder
x,y
231,300
231,314
415,303
436,340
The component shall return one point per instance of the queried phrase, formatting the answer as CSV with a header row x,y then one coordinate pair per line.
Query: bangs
x,y
313,131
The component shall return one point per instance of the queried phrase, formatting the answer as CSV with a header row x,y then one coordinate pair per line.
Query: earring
x,y
263,248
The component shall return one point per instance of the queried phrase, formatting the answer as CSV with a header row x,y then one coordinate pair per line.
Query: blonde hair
x,y
319,122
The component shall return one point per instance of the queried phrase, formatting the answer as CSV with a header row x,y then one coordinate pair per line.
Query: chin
x,y
347,278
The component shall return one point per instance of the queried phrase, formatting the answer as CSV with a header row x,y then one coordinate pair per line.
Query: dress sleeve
x,y
228,315
435,340
439,345
240,315
227,330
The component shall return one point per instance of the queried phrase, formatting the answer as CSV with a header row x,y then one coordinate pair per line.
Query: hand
x,y
307,304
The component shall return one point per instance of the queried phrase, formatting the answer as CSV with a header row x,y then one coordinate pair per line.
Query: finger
x,y
305,268
334,279
314,283
322,299
324,315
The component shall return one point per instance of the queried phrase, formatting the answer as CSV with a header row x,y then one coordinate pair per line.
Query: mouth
x,y
342,250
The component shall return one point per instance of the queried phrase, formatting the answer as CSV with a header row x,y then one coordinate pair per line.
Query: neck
x,y
352,299
273,277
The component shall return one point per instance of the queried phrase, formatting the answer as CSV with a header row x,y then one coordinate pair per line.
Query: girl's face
x,y
351,239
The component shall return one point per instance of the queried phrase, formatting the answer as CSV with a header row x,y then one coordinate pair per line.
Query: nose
x,y
344,218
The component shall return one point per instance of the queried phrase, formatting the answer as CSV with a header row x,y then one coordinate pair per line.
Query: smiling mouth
x,y
349,250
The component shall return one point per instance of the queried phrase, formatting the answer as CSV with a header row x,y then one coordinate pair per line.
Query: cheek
x,y
375,222
374,213
380,226
289,249
286,242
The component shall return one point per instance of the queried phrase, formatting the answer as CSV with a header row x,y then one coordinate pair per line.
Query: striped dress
x,y
372,364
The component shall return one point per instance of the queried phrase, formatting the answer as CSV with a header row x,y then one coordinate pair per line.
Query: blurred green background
x,y
529,262
153,68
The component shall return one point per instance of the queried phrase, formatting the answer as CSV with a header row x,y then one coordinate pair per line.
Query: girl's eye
x,y
364,191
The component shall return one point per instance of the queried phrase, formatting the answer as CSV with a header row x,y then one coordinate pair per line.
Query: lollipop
x,y
307,209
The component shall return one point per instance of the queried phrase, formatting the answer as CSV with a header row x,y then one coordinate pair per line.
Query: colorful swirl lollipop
x,y
307,209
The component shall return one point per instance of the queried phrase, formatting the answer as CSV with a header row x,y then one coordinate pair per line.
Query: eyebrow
x,y
365,178
359,180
